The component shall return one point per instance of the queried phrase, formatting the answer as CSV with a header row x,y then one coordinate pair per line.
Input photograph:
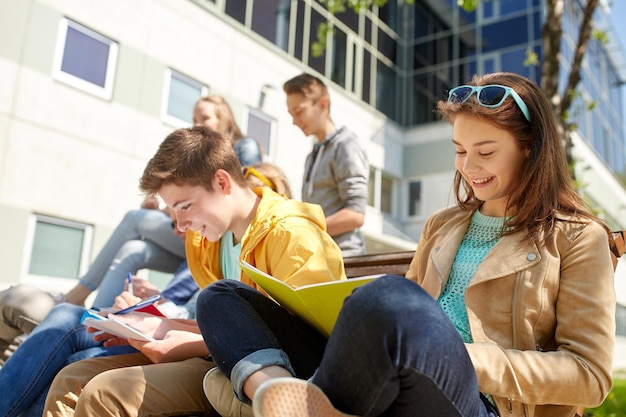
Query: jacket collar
x,y
507,257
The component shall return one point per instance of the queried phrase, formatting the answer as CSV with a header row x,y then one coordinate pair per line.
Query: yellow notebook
x,y
317,304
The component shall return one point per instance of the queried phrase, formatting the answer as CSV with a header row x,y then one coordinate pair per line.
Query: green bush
x,y
615,403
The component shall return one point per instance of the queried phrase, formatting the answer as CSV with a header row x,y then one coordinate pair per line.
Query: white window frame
x,y
376,181
49,282
105,92
167,83
267,150
393,194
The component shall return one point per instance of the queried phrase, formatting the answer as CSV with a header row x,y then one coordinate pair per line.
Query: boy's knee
x,y
219,287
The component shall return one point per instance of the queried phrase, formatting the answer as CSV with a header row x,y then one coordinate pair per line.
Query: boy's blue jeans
x,y
143,239
58,340
393,351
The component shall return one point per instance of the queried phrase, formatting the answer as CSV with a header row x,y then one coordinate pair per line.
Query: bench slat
x,y
379,263
398,262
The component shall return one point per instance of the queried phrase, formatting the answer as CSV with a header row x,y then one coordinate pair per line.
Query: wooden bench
x,y
618,246
398,262
379,263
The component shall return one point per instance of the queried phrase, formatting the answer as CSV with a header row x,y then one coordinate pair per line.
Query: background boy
x,y
336,171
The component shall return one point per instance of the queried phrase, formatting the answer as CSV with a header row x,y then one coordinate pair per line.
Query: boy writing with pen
x,y
60,339
199,177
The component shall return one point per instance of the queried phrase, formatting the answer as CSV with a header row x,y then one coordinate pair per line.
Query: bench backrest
x,y
380,263
398,262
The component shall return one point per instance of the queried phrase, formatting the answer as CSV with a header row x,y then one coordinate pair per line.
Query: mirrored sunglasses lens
x,y
491,96
460,94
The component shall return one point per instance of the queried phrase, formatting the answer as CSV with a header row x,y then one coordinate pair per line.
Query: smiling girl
x,y
508,308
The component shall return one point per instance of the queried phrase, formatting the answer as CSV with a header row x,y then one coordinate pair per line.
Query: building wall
x,y
69,154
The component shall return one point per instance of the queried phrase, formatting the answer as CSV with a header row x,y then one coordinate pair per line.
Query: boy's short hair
x,y
191,156
306,84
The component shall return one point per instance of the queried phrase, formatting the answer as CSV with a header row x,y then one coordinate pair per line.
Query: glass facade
x,y
401,58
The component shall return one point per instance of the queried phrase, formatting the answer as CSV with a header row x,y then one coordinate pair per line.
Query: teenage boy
x,y
198,176
336,171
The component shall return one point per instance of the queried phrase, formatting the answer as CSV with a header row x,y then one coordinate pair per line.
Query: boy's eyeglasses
x,y
491,96
247,171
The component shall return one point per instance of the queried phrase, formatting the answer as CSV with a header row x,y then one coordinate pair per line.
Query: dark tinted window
x,y
85,57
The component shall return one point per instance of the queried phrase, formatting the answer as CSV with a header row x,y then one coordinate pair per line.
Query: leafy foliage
x,y
324,29
339,6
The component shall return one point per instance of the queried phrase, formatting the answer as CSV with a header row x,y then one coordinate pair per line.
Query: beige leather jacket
x,y
542,317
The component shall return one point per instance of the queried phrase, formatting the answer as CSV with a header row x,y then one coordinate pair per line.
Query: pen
x,y
130,283
142,303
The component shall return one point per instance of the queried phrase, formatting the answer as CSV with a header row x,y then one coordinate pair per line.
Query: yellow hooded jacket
x,y
287,239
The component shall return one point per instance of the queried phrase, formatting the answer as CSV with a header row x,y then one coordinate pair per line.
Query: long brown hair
x,y
226,125
545,185
273,174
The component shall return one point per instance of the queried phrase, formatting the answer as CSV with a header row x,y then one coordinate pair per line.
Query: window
x,y
236,9
317,63
372,194
270,19
85,59
620,319
415,198
386,194
339,57
180,95
58,248
259,126
380,192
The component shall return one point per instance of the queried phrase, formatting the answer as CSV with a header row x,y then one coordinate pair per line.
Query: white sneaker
x,y
292,397
219,392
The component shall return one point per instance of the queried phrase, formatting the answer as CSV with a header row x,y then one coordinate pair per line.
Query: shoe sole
x,y
290,397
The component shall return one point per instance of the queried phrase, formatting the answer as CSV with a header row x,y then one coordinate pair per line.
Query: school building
x,y
90,88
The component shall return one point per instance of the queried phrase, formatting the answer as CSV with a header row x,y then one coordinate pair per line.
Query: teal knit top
x,y
483,233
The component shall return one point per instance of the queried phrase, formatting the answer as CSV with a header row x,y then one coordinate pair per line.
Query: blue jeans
x,y
246,331
143,239
58,340
394,352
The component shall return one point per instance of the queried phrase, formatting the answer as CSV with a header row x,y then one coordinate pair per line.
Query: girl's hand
x,y
125,299
143,288
148,324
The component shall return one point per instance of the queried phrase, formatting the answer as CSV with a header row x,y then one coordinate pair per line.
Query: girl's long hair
x,y
545,184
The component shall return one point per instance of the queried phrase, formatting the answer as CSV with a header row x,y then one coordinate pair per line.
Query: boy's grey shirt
x,y
336,175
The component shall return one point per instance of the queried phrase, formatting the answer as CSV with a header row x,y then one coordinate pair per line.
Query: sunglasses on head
x,y
491,96
247,171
